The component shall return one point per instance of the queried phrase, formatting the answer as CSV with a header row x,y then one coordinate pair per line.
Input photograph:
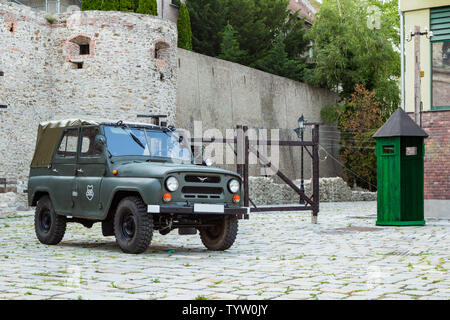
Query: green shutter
x,y
440,23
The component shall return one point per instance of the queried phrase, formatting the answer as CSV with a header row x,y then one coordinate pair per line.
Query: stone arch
x,y
162,53
80,45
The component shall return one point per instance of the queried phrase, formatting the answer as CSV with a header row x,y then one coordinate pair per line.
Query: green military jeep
x,y
133,178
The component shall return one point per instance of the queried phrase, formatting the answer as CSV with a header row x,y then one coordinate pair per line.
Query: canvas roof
x,y
400,125
48,137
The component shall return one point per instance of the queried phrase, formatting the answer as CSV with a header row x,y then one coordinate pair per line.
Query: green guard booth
x,y
400,172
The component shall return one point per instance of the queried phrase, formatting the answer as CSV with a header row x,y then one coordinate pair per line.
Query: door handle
x,y
80,170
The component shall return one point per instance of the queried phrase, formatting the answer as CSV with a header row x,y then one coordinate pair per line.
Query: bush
x,y
148,7
358,121
126,5
110,5
91,5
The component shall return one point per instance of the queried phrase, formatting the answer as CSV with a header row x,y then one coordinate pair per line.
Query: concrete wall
x,y
417,18
119,78
223,94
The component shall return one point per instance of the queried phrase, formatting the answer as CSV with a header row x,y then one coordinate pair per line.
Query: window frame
x,y
435,108
61,139
97,156
432,107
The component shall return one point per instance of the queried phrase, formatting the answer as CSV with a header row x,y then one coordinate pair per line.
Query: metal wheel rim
x,y
45,220
128,226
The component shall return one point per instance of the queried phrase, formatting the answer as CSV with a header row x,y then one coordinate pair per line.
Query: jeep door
x,y
63,166
91,166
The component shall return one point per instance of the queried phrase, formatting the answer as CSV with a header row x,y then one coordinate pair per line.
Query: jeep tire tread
x,y
222,236
49,226
133,226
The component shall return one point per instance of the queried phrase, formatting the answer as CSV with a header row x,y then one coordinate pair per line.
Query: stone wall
x,y
129,68
223,94
266,191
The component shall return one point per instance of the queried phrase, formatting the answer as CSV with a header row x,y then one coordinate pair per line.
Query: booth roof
x,y
400,125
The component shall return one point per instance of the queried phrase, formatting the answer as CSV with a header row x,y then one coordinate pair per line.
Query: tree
x,y
110,5
148,7
230,49
208,20
184,28
358,121
347,52
91,5
278,62
256,22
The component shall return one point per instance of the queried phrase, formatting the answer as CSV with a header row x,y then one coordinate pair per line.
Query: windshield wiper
x,y
136,139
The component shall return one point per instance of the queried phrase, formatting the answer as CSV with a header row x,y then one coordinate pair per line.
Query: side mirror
x,y
100,140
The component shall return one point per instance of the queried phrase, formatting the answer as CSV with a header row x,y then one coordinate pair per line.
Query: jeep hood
x,y
162,170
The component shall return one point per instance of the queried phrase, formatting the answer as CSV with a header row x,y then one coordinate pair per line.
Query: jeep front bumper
x,y
200,209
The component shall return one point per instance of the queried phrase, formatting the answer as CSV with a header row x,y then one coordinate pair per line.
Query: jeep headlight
x,y
234,186
172,184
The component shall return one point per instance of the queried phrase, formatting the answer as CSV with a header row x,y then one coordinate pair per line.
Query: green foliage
x,y
330,113
347,52
126,5
110,5
358,121
50,18
184,28
208,20
91,5
230,46
148,7
277,61
256,25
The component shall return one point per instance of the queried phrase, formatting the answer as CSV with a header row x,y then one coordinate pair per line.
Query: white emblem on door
x,y
90,193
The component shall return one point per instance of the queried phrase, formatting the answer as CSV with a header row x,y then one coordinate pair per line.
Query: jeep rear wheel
x,y
133,227
49,226
222,236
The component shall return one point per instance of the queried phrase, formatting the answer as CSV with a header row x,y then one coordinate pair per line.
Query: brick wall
x,y
437,154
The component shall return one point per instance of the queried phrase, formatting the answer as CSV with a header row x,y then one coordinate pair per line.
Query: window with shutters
x,y
440,57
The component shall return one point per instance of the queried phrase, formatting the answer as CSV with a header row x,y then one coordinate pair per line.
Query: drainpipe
x,y
162,9
402,52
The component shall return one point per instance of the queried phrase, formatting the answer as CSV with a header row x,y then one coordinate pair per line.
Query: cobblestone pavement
x,y
276,256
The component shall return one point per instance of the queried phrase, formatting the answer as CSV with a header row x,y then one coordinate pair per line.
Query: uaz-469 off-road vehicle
x,y
133,178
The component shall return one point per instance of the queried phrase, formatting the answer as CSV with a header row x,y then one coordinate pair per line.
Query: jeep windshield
x,y
152,143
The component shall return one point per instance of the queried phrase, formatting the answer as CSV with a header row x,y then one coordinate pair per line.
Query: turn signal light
x,y
115,172
167,197
236,198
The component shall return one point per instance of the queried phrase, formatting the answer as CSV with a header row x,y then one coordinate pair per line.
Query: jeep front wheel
x,y
221,236
133,227
49,226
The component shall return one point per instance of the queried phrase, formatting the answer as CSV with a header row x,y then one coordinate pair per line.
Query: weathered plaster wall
x,y
223,94
119,79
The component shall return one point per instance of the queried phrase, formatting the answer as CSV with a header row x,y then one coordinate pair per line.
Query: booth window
x,y
440,57
388,149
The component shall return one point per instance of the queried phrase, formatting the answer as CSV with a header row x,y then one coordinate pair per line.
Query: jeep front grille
x,y
197,192
202,179
201,190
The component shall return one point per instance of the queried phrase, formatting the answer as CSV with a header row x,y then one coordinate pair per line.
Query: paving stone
x,y
276,256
